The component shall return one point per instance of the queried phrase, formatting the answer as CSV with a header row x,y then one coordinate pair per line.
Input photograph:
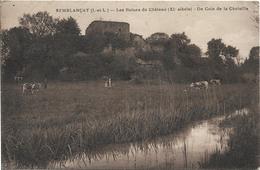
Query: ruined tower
x,y
101,27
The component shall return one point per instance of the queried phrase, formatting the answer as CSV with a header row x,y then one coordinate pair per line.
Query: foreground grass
x,y
69,118
243,146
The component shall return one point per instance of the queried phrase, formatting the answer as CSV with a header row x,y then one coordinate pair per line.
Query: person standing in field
x,y
45,82
109,82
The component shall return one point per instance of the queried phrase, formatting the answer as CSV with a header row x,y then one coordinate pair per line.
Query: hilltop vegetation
x,y
43,46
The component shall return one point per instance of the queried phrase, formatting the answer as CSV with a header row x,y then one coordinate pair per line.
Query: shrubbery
x,y
35,53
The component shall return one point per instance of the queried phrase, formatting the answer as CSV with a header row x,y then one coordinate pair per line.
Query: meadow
x,y
69,118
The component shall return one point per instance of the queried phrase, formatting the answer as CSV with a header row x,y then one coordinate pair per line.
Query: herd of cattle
x,y
204,84
32,88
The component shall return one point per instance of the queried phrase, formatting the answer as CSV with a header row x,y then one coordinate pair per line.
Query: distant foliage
x,y
15,42
40,24
251,65
44,46
82,66
215,48
68,27
158,38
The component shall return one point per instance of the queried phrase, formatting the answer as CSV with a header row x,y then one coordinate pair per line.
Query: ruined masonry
x,y
122,29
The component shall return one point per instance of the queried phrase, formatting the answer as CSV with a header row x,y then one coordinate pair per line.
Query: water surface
x,y
182,150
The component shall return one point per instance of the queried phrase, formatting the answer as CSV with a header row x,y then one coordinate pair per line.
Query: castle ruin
x,y
121,29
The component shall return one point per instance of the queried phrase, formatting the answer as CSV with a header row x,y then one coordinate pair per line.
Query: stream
x,y
186,149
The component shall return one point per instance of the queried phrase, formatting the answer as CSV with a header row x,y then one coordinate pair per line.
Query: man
x,y
45,82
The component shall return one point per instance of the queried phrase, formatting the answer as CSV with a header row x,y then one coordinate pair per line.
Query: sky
x,y
234,27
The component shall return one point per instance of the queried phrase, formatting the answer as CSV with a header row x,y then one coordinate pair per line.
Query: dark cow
x,y
215,82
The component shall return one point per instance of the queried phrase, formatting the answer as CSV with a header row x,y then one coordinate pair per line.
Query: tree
x,y
122,67
222,60
82,66
179,40
190,55
254,53
174,50
251,65
158,38
230,52
68,27
216,55
14,43
40,24
66,40
215,48
179,48
54,41
37,55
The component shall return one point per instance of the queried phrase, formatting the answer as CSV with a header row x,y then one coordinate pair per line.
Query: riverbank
x,y
188,148
242,146
67,118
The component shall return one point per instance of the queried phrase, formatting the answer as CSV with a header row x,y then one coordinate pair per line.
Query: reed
x,y
70,118
242,151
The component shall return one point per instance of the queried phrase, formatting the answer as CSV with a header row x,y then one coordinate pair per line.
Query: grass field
x,y
69,118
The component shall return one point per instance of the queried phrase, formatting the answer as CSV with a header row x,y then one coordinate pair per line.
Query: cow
x,y
31,88
200,85
215,82
36,87
27,88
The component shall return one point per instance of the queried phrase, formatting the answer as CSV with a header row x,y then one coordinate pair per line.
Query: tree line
x,y
47,47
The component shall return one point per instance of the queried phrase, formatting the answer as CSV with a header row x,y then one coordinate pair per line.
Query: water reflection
x,y
243,150
183,150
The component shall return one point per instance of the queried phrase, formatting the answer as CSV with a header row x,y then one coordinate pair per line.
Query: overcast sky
x,y
233,27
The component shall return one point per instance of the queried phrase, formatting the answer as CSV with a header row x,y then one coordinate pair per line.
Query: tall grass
x,y
69,118
243,147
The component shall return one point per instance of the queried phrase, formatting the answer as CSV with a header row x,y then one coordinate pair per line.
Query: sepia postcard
x,y
130,85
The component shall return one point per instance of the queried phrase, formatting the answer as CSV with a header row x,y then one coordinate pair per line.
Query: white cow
x,y
27,88
31,88
200,85
36,87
